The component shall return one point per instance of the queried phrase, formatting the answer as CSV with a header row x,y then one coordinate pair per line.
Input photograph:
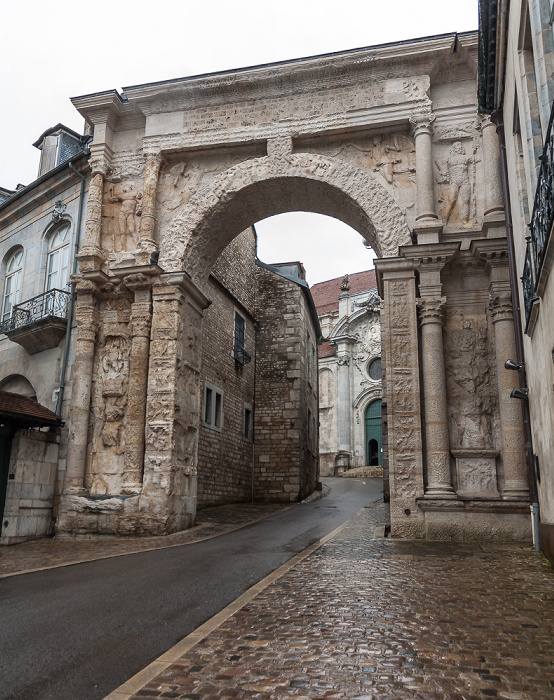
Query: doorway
x,y
374,434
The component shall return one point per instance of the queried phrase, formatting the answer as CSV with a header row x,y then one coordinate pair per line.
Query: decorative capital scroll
x,y
153,158
98,165
431,310
421,122
343,360
500,306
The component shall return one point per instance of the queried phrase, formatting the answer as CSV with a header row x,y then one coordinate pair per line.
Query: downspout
x,y
498,119
72,294
256,328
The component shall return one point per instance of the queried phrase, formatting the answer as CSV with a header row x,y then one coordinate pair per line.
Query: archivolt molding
x,y
366,396
262,187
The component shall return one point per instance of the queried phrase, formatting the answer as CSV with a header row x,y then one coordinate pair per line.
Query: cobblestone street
x,y
363,618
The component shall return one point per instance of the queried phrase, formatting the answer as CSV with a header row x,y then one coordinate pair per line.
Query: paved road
x,y
78,632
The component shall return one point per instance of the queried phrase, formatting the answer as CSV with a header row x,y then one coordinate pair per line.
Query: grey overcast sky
x,y
51,50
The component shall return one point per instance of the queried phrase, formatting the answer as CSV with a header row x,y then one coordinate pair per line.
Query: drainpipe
x,y
72,294
256,329
498,119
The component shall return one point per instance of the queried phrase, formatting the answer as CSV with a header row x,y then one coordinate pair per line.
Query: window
x,y
247,422
57,269
12,286
374,369
239,350
213,407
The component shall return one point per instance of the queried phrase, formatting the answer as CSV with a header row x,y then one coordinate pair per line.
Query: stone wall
x,y
225,458
286,393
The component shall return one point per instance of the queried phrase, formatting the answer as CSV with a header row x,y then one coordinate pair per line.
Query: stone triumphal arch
x,y
387,139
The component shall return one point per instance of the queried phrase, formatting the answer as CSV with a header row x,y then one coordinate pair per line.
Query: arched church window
x,y
374,369
57,270
12,285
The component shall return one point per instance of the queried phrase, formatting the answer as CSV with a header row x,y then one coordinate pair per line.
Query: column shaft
x,y
141,319
344,401
147,244
87,327
511,419
494,200
439,480
425,184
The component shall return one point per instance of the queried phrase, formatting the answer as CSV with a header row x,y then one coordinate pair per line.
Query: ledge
x,y
473,505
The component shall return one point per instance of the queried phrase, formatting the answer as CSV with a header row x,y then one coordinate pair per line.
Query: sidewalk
x,y
360,618
49,553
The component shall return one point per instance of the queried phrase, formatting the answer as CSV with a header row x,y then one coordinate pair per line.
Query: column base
x,y
440,492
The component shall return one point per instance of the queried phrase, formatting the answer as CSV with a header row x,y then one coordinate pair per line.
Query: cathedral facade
x,y
350,391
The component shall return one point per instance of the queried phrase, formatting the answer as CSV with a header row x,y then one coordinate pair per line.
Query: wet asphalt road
x,y
78,632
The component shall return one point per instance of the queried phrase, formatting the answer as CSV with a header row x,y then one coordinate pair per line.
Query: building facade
x,y
517,90
350,391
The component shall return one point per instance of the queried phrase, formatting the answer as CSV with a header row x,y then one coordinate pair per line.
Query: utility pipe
x,y
76,244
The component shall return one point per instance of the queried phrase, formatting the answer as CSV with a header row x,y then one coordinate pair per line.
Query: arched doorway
x,y
374,434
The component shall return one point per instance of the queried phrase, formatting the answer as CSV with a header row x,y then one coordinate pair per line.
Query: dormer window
x,y
57,270
12,286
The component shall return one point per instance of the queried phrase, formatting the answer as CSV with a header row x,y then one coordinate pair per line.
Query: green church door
x,y
373,434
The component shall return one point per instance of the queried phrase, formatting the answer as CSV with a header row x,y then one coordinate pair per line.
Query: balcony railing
x,y
541,221
241,355
51,304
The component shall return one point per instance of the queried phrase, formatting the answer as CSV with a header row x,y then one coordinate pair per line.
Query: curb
x,y
87,560
136,682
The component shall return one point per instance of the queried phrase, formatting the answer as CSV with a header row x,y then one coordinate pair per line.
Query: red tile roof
x,y
26,411
326,350
326,294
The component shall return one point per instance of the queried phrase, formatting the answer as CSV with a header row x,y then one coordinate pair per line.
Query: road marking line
x,y
131,686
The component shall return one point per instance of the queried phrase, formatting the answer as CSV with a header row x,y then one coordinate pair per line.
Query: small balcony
x,y
38,323
540,244
241,355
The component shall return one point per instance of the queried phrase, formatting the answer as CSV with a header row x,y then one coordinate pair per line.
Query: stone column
x,y
403,401
494,200
147,244
168,497
344,428
511,419
86,316
439,479
141,319
91,255
425,182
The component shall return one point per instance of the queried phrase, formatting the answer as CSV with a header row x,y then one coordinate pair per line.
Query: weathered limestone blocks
x,y
403,396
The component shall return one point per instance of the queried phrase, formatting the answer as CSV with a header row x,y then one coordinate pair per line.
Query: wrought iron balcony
x,y
541,223
241,356
40,322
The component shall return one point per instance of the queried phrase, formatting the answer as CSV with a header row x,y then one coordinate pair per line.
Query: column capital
x,y
99,165
500,306
343,360
421,122
431,310
153,158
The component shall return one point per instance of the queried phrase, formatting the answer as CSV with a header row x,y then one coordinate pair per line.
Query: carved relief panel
x,y
469,364
109,395
122,207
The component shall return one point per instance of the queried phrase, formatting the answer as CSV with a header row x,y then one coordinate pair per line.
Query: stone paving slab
x,y
363,618
50,553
